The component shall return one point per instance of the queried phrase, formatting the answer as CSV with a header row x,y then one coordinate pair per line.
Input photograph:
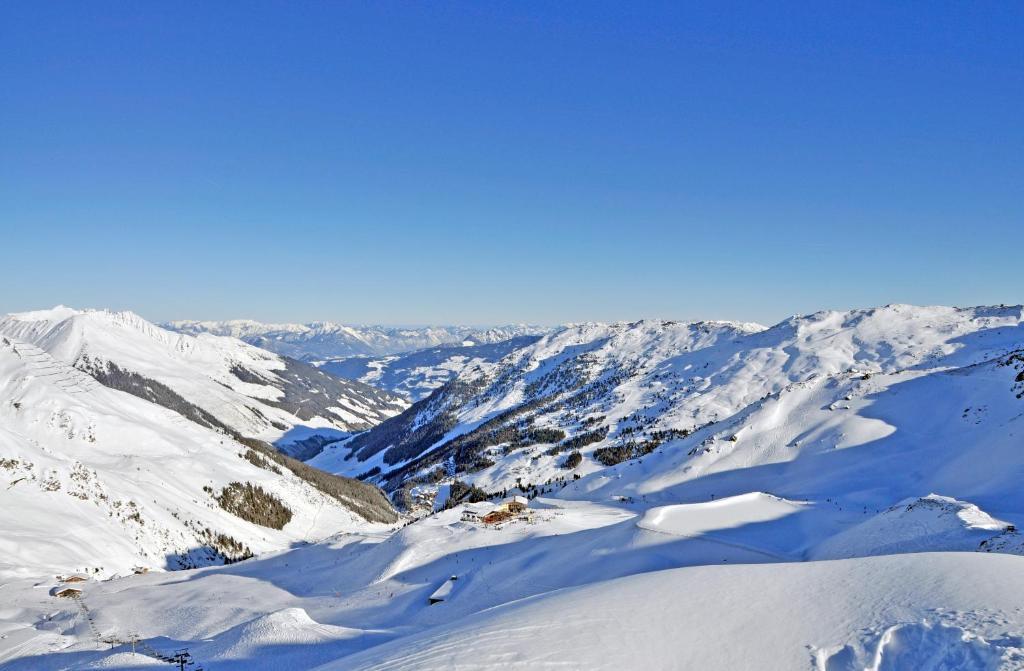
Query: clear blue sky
x,y
482,162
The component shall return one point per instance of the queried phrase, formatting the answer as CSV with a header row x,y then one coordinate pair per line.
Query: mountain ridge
x,y
652,384
249,390
324,340
104,481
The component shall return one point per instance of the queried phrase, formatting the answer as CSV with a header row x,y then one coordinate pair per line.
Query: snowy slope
x,y
942,611
415,375
97,480
246,389
839,491
318,341
917,525
860,445
712,397
585,586
587,363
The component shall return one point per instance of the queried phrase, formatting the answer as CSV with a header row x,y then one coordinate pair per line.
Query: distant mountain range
x,y
414,375
319,341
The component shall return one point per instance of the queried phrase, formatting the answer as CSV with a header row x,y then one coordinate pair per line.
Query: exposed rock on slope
x,y
215,381
710,397
102,481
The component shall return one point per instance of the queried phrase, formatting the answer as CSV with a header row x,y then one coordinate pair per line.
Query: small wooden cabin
x,y
497,515
515,504
77,577
66,591
474,512
492,514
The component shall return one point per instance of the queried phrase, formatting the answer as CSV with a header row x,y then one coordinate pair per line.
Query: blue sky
x,y
510,161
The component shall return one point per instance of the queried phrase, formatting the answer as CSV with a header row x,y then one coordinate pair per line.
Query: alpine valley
x,y
839,491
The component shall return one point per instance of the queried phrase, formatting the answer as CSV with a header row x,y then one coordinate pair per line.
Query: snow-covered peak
x,y
103,481
67,332
621,390
893,337
54,314
247,389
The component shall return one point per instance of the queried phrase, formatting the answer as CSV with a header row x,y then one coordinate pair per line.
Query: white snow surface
x,y
97,480
907,613
848,498
897,380
587,586
415,375
915,525
198,368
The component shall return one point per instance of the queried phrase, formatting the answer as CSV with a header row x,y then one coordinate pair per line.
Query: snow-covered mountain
x,y
709,397
415,375
99,481
838,491
217,381
319,341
